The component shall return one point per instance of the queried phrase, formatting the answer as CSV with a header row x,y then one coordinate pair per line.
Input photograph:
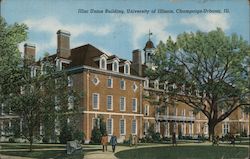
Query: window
x,y
109,102
70,102
103,63
146,83
156,84
122,127
95,80
115,66
32,71
96,123
123,84
122,103
70,81
146,110
225,128
134,105
95,101
110,126
126,69
134,87
110,82
134,127
146,127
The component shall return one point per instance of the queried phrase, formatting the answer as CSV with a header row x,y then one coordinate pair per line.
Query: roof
x,y
149,45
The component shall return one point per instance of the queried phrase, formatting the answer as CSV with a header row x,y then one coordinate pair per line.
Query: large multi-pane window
x,y
110,126
146,110
122,84
134,105
122,103
109,102
226,128
134,126
95,101
122,127
110,82
96,123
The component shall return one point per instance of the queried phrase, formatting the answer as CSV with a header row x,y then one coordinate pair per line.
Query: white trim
x,y
134,110
111,102
124,126
112,113
124,104
128,71
117,66
106,71
103,59
112,126
134,133
110,78
98,101
124,84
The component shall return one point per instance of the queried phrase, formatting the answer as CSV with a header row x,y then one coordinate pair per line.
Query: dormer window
x,y
115,66
127,68
103,63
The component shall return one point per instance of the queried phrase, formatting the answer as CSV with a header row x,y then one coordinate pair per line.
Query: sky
x,y
122,32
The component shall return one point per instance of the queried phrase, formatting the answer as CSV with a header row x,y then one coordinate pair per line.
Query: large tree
x,y
43,100
10,37
210,69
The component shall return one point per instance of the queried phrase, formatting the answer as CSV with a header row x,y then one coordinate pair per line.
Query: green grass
x,y
184,152
26,146
45,154
39,152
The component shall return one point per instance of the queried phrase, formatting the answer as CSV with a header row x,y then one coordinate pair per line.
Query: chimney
x,y
137,62
63,44
29,53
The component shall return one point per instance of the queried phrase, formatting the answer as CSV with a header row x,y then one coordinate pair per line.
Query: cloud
x,y
51,25
208,22
141,25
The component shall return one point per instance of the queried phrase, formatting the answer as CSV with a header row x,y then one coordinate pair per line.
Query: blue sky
x,y
117,33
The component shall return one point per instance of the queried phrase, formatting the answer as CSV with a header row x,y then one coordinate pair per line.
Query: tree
x,y
44,99
10,37
212,69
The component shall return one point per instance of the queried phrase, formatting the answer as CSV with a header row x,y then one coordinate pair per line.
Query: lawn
x,y
52,151
184,152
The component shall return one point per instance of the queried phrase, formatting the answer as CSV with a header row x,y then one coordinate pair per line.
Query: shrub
x,y
65,134
96,135
11,140
79,135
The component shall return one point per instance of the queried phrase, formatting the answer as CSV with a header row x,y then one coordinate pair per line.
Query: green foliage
x,y
99,130
66,134
79,135
212,64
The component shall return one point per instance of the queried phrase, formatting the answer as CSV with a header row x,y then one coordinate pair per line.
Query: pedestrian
x,y
104,142
174,139
113,142
130,140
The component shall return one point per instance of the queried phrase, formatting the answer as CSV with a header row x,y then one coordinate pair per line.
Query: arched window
x,y
115,66
126,69
103,63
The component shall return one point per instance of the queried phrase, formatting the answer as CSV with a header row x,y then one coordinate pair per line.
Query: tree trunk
x,y
31,142
211,127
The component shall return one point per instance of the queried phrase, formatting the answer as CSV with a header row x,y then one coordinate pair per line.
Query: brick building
x,y
116,89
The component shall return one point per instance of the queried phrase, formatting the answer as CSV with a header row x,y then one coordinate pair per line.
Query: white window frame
x,y
225,126
70,81
103,59
111,128
134,107
127,72
124,104
135,131
111,106
117,66
124,126
146,110
156,84
124,84
146,83
93,123
98,101
111,82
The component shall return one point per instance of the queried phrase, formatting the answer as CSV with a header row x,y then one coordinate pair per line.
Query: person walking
x,y
104,142
174,139
113,142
